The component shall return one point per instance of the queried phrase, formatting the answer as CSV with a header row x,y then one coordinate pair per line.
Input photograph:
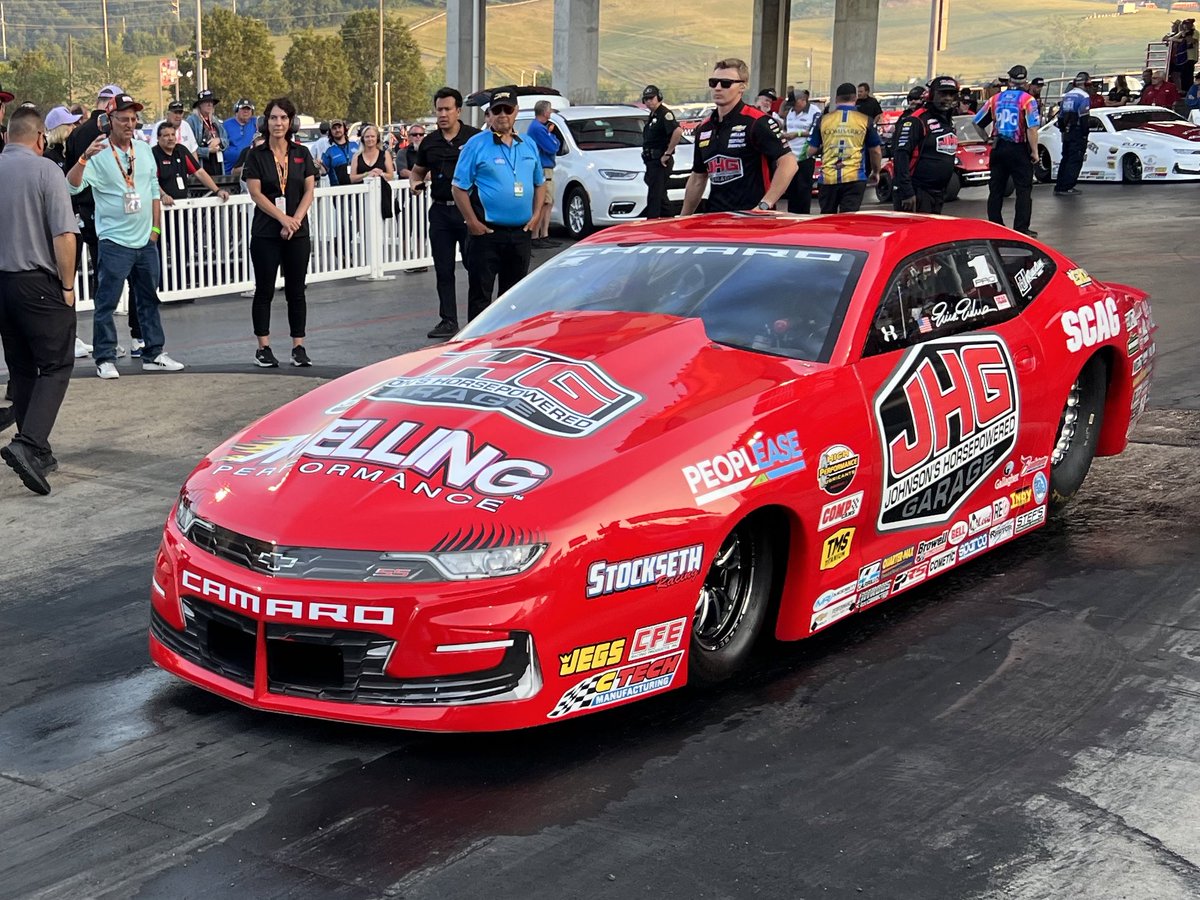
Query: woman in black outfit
x,y
280,175
373,161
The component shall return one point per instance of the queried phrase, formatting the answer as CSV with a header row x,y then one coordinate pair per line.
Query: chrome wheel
x,y
1067,425
578,217
725,595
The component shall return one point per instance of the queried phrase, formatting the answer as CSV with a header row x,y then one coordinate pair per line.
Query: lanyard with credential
x,y
128,175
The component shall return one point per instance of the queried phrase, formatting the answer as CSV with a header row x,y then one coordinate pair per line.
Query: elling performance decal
x,y
947,418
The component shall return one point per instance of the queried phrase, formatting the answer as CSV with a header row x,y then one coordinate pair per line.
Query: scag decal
x,y
837,548
614,685
554,394
1089,325
838,511
590,657
758,462
655,639
663,569
836,468
947,418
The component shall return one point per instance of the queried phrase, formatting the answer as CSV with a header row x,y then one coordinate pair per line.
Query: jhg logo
x,y
723,169
552,393
947,417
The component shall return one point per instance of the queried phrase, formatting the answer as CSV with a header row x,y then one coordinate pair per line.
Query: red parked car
x,y
669,440
972,164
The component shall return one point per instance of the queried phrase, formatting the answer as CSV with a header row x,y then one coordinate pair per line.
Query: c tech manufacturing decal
x,y
555,394
614,685
947,418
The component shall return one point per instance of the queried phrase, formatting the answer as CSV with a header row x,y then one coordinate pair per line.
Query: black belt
x,y
495,227
444,202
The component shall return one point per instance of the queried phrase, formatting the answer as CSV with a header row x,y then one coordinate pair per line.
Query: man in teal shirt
x,y
123,177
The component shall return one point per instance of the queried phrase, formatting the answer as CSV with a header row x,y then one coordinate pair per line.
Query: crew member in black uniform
x,y
659,138
925,149
735,149
916,97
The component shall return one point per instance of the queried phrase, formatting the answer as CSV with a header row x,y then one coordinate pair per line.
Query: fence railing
x,y
205,246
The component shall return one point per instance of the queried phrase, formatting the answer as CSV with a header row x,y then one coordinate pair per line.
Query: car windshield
x,y
897,102
608,132
787,301
1123,121
964,127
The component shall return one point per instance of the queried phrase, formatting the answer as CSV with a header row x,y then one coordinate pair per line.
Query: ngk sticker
x,y
947,418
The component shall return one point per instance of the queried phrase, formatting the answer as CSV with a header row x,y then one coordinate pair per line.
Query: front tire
x,y
1042,171
1078,433
577,213
1131,169
733,604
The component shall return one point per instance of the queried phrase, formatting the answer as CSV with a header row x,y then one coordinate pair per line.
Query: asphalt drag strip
x,y
1024,727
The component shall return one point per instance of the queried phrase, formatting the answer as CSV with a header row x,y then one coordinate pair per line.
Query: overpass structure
x,y
577,44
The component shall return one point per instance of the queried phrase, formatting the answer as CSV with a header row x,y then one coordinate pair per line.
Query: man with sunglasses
x,y
736,148
37,295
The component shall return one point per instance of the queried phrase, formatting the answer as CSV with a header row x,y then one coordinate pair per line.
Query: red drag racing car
x,y
670,439
972,164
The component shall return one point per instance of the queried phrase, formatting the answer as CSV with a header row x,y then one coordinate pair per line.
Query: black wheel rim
x,y
725,595
1133,168
1068,424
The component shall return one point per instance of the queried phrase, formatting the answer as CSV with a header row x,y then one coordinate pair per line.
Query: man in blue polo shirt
x,y
499,188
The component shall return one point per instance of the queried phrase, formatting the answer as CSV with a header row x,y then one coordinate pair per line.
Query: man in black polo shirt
x,y
175,164
660,136
437,155
735,149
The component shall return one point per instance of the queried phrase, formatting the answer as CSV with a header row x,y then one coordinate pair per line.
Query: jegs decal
x,y
947,418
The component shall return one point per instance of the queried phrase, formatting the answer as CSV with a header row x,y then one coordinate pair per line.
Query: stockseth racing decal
x,y
663,569
615,685
548,392
758,462
947,418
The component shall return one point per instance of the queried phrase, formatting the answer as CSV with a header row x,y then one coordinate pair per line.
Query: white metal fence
x,y
205,246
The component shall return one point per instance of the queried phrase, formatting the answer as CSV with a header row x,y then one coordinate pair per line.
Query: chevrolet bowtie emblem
x,y
276,562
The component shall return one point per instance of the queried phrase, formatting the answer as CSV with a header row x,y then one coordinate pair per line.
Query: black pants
x,y
448,231
1074,148
799,192
928,200
268,254
503,254
845,197
38,332
1011,160
656,188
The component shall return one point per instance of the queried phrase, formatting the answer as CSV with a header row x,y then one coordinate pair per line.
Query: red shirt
x,y
1165,94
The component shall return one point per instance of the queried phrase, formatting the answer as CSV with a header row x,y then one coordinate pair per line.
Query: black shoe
x,y
265,359
22,459
48,462
444,330
8,415
300,357
1029,232
416,271
1065,193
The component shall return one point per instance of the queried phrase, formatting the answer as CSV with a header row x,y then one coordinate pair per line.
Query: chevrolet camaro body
x,y
1132,143
665,440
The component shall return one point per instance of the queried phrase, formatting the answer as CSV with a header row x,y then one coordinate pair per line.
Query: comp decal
x,y
836,468
841,510
550,393
616,684
947,417
670,567
759,461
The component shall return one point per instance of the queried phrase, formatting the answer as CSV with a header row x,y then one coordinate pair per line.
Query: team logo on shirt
x,y
724,169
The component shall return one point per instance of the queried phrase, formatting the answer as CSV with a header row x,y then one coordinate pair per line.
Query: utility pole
x,y
3,31
104,10
71,67
379,94
939,22
199,51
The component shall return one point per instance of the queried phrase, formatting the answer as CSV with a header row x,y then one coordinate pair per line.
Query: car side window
x,y
1027,269
939,292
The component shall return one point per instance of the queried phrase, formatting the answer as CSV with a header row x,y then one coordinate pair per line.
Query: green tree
x,y
401,66
1066,43
92,72
34,76
317,74
241,61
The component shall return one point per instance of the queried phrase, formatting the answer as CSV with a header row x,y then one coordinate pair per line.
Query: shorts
x,y
549,173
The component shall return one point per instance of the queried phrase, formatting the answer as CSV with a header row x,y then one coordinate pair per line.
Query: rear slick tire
x,y
1078,433
732,606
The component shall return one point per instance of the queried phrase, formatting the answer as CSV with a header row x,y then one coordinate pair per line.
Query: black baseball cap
x,y
769,94
1018,73
649,91
1037,82
122,102
1083,78
175,106
943,83
243,103
203,96
504,96
916,93
845,89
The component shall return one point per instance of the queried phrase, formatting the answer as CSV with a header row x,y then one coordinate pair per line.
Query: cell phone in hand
x,y
103,123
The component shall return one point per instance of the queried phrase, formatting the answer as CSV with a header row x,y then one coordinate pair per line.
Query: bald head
x,y
25,126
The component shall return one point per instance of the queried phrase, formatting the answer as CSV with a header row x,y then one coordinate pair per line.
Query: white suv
x,y
599,177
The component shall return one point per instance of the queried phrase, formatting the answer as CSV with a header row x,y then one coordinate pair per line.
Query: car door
x,y
1101,154
951,374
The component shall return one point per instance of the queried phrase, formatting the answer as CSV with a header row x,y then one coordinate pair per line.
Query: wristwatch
x,y
763,204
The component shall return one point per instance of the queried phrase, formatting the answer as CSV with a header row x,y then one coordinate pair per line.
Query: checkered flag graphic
x,y
577,697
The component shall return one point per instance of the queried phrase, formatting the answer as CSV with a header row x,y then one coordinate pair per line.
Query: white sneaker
x,y
161,363
108,369
136,347
82,349
120,352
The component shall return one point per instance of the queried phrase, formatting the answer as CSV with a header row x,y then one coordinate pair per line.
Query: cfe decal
x,y
947,418
554,394
836,468
615,685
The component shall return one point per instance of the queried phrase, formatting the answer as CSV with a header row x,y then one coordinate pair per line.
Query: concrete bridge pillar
x,y
577,49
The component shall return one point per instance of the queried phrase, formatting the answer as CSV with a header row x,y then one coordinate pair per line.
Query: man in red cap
x,y
5,98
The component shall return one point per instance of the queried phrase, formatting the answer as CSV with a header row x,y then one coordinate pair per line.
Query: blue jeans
x,y
116,265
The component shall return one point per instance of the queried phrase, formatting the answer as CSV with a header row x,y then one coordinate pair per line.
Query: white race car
x,y
1129,144
599,177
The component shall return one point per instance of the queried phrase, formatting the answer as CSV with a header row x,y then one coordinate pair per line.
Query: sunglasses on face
x,y
725,83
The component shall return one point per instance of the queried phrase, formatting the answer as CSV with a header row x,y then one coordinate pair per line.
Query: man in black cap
x,y
1014,117
851,153
925,147
912,102
210,133
1073,112
1035,90
660,136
